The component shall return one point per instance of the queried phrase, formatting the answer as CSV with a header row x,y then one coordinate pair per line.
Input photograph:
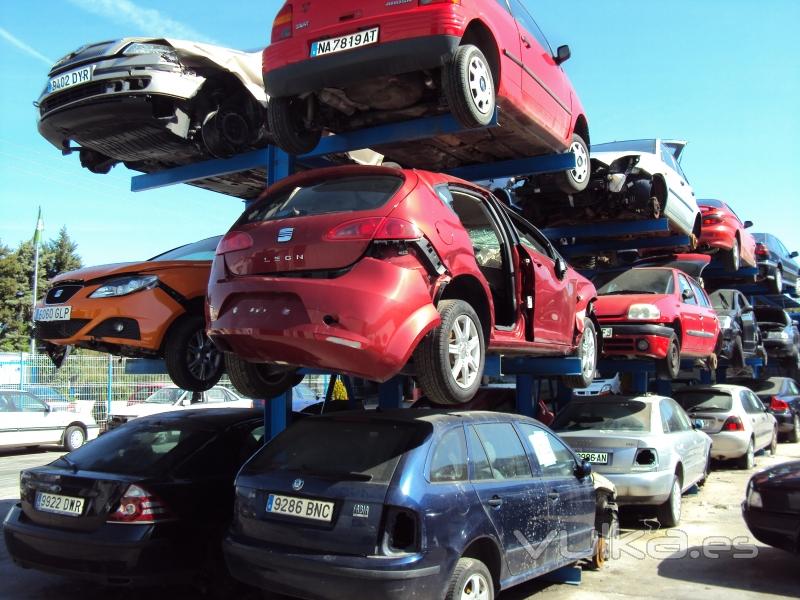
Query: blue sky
x,y
724,74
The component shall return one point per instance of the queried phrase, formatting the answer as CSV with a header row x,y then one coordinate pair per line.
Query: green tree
x,y
59,255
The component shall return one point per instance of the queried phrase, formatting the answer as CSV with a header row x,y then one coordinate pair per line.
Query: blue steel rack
x,y
277,165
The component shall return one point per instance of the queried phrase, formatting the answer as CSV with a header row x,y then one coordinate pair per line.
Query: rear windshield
x,y
627,146
707,202
622,415
635,281
704,400
771,315
140,448
202,250
339,448
766,388
345,194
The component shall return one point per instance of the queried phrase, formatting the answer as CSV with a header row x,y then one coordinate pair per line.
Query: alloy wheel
x,y
480,86
581,170
675,500
76,438
203,358
588,352
464,351
475,588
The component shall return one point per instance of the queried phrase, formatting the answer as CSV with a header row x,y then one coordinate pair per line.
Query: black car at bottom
x,y
409,504
143,504
771,507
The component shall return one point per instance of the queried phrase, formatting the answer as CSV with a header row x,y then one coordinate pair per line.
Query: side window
x,y
758,406
526,21
480,462
669,158
444,195
480,226
553,456
527,236
667,416
215,395
793,388
747,403
680,420
684,284
26,403
506,455
700,295
5,404
449,462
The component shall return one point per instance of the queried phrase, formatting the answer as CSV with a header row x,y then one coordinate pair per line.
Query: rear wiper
x,y
70,464
344,475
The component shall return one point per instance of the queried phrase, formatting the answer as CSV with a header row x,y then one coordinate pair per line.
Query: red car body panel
x,y
367,318
533,91
721,227
698,324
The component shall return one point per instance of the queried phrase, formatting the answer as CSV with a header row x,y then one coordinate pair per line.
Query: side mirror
x,y
584,469
747,309
697,424
186,402
748,224
560,267
562,54
687,294
793,254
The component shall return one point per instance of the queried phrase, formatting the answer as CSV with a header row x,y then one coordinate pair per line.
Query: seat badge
x,y
285,234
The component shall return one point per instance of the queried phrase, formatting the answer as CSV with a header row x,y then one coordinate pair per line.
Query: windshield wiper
x,y
344,475
70,464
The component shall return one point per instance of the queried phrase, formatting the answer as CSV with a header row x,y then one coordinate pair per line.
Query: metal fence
x,y
92,382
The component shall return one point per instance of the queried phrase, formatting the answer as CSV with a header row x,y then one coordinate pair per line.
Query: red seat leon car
x,y
724,233
657,312
344,65
371,271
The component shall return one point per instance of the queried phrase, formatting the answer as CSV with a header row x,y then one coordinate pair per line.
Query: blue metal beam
x,y
606,229
616,245
548,163
541,367
255,159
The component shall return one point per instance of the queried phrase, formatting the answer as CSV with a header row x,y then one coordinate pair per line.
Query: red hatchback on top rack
x,y
345,65
356,269
725,233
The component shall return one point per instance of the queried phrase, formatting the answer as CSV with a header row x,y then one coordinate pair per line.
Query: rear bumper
x,y
343,68
781,530
720,237
785,421
642,488
319,577
366,322
636,340
729,444
779,347
113,554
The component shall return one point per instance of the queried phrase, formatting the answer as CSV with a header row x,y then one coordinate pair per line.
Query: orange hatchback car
x,y
149,309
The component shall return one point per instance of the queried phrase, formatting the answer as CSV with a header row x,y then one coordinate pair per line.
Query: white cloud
x,y
20,45
149,21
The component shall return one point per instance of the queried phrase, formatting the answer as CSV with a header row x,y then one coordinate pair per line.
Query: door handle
x,y
525,41
495,501
553,495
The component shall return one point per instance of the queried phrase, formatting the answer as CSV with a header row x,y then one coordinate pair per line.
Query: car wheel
x,y
285,120
609,532
733,258
469,87
471,580
794,434
449,361
737,354
669,513
773,445
587,352
748,459
575,180
670,366
74,438
706,471
193,361
776,283
256,380
225,132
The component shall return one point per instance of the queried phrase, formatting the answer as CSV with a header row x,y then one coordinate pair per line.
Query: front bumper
x,y
344,68
122,554
780,530
322,577
650,488
726,445
644,340
366,322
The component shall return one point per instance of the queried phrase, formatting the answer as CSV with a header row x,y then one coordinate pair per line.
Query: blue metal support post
x,y
275,414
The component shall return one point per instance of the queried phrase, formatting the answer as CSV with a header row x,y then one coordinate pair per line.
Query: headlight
x,y
124,285
167,52
782,335
754,499
725,322
606,389
644,312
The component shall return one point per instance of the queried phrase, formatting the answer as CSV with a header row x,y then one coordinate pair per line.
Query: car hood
x,y
105,271
785,475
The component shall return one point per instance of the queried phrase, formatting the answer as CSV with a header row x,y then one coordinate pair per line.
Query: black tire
x,y
747,460
193,361
74,438
469,87
733,257
773,445
432,356
669,367
776,283
587,352
256,380
285,120
794,435
669,513
469,572
575,180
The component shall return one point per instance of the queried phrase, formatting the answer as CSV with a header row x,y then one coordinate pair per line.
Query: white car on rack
x,y
27,421
172,397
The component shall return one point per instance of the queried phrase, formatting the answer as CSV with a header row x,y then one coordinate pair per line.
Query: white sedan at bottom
x,y
27,421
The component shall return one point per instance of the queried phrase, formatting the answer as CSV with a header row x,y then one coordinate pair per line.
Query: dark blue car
x,y
409,504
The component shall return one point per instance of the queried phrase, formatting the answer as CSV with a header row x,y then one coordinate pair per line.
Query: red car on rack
x,y
724,233
658,312
345,65
357,269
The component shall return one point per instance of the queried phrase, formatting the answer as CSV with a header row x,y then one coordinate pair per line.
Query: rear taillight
x,y
137,505
374,228
282,25
733,423
233,241
777,404
761,250
401,531
712,218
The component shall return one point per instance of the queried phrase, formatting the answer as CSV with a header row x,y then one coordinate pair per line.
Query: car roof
x,y
433,416
613,399
717,387
220,417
